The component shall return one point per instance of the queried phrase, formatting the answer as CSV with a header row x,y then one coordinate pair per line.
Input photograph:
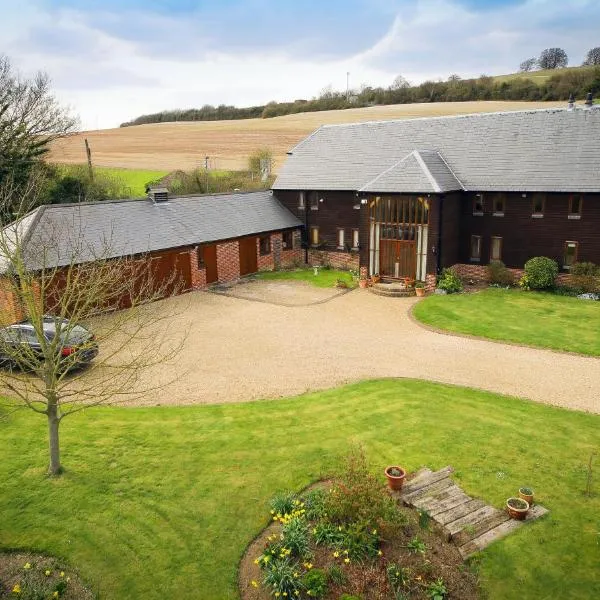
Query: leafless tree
x,y
400,83
528,65
592,57
79,282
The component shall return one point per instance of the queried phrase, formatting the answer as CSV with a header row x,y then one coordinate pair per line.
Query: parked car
x,y
77,345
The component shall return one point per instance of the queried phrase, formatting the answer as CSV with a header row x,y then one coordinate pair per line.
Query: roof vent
x,y
589,100
158,194
571,105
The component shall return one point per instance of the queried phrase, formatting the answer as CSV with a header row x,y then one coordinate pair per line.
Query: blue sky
x,y
116,59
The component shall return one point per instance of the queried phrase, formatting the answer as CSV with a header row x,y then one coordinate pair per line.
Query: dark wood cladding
x,y
524,236
450,245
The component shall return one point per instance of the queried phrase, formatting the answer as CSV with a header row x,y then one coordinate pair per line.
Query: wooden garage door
x,y
248,256
172,270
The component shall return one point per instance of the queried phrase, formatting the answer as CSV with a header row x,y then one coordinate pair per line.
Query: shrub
x,y
359,541
314,503
315,583
541,272
283,503
450,282
499,274
585,276
327,534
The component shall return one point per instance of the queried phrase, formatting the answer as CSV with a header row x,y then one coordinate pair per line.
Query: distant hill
x,y
171,146
546,85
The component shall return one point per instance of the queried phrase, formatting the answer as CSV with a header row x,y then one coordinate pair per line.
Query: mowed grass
x,y
134,180
161,502
325,277
533,318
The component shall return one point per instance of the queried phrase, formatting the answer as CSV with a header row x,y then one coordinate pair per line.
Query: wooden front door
x,y
397,258
248,256
209,255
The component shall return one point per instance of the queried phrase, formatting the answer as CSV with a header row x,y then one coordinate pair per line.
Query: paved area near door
x,y
239,350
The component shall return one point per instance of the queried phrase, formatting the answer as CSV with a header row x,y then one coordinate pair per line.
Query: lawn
x,y
325,277
533,318
134,180
161,502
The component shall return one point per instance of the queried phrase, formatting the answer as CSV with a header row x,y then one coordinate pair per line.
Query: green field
x,y
532,318
325,277
541,75
161,502
134,180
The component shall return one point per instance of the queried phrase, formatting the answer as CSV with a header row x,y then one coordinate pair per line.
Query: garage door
x,y
172,271
248,258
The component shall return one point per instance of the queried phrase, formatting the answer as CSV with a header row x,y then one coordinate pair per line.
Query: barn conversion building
x,y
409,198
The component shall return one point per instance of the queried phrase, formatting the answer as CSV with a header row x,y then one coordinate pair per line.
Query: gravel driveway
x,y
239,350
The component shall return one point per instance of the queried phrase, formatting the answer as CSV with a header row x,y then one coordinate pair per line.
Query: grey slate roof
x,y
535,150
60,234
420,171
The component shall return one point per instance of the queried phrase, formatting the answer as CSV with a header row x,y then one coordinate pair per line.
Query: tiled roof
x,y
75,233
536,150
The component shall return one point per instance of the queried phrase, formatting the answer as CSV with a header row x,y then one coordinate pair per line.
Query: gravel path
x,y
239,350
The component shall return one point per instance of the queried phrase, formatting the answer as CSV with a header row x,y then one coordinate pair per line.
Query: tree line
x,y
558,86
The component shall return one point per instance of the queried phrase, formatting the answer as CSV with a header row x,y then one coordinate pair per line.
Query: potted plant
x,y
363,283
526,493
395,477
420,288
409,282
517,508
375,278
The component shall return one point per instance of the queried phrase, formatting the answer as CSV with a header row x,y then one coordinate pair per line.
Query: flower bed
x,y
348,538
34,577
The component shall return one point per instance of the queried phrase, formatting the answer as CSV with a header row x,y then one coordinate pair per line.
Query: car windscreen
x,y
77,333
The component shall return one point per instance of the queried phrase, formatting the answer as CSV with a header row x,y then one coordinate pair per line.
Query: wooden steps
x,y
467,522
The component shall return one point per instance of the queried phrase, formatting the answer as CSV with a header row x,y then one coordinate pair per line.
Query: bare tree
x,y
400,83
592,57
76,280
528,65
30,118
553,58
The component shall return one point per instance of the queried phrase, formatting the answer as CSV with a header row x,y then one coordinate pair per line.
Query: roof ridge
x,y
436,186
439,117
385,171
451,170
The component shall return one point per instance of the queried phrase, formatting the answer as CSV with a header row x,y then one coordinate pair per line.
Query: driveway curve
x,y
239,350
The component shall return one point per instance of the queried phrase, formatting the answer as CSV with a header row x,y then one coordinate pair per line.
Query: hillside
x,y
184,145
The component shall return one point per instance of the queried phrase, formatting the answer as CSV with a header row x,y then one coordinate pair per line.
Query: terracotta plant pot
x,y
517,508
363,283
420,292
395,481
526,494
375,278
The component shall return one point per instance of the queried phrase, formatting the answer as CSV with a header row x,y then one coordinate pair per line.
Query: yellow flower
x,y
55,595
256,561
419,578
379,553
272,512
17,589
374,531
254,584
336,554
297,593
346,560
47,573
277,594
27,566
296,575
345,551
62,573
68,579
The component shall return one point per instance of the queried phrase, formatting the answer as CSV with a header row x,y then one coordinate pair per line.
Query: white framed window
x,y
499,204
538,205
314,201
355,239
575,206
301,201
496,248
314,236
341,234
475,248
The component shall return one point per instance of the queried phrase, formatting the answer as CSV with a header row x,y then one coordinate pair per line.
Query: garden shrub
x,y
314,503
283,503
315,583
585,276
449,281
282,578
540,273
499,274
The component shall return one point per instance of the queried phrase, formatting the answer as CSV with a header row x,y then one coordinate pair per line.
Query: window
x,y
301,204
264,243
355,239
201,263
475,248
570,254
499,205
575,205
314,201
478,205
314,236
287,240
538,205
341,234
496,248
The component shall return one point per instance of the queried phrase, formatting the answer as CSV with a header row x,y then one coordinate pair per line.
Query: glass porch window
x,y
475,248
570,254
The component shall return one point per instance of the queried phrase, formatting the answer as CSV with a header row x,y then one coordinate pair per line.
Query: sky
x,y
113,60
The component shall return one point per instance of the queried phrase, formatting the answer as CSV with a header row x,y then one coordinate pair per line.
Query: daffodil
x,y
346,560
27,566
62,573
16,589
379,553
254,584
68,579
55,595
336,554
47,573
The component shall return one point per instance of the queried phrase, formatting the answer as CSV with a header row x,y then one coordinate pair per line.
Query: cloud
x,y
113,62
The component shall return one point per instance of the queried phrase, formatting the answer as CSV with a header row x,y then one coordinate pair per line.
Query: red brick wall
x,y
338,260
479,274
228,261
198,275
10,310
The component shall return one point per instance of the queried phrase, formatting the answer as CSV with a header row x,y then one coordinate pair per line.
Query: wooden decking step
x,y
467,522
